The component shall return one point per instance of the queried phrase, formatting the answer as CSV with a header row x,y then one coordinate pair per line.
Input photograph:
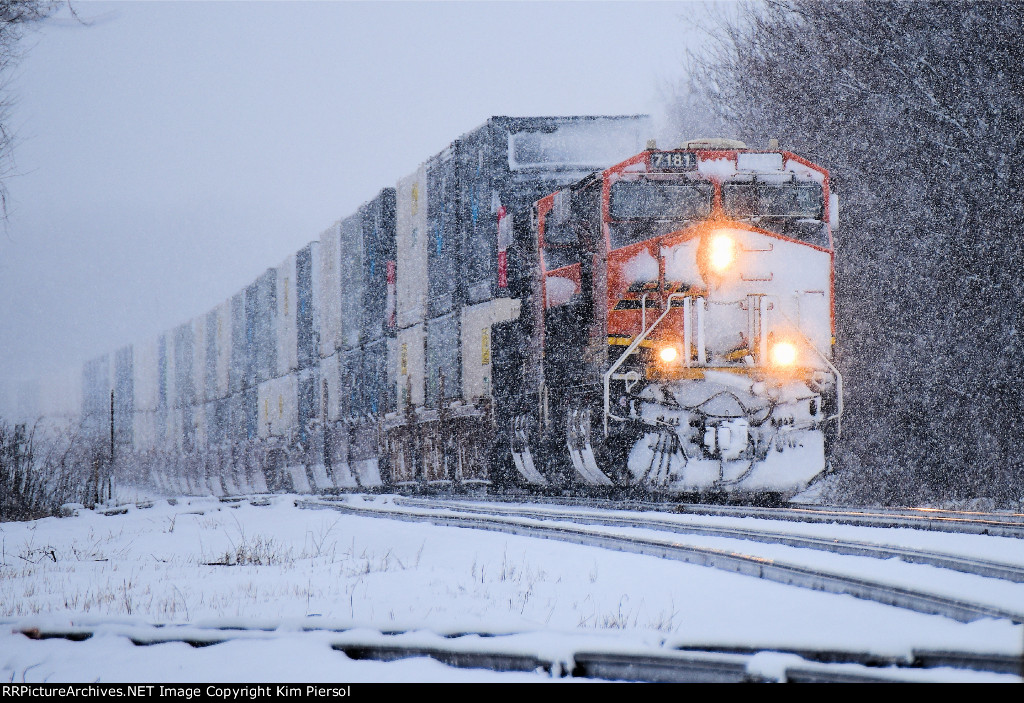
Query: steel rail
x,y
960,563
653,664
983,523
990,524
745,564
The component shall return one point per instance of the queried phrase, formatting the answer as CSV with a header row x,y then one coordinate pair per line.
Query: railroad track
x,y
995,524
548,510
992,524
962,563
916,599
592,657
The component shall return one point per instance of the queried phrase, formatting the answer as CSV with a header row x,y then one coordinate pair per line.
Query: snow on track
x,y
619,656
202,560
888,581
959,553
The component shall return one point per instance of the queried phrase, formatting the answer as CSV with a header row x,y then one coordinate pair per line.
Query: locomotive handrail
x,y
839,377
629,350
668,307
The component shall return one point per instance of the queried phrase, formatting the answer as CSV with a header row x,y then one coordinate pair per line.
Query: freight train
x,y
548,304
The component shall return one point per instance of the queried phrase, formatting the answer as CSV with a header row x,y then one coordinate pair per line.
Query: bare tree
x,y
16,16
43,467
916,107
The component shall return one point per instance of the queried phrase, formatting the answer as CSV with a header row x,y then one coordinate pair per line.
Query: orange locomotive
x,y
685,324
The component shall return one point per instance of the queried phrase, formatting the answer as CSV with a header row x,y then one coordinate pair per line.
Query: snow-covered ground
x,y
203,561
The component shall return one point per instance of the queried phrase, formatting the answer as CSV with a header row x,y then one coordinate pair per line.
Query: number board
x,y
673,160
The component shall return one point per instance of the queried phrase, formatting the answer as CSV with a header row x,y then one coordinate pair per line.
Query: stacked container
x,y
412,237
184,388
473,188
278,413
377,321
327,287
329,291
386,331
218,364
351,280
124,399
287,325
146,387
96,398
307,317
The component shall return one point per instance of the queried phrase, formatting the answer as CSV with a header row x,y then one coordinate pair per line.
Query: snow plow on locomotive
x,y
516,315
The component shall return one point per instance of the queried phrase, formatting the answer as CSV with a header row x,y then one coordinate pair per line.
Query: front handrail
x,y
629,350
838,416
608,415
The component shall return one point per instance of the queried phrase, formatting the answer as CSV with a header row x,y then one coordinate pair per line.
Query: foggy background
x,y
167,152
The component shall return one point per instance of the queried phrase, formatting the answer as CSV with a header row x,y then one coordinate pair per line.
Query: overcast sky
x,y
169,152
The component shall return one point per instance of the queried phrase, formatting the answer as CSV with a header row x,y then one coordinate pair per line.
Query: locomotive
x,y
688,303
549,304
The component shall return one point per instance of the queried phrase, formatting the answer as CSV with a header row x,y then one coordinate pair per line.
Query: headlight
x,y
783,354
668,354
722,252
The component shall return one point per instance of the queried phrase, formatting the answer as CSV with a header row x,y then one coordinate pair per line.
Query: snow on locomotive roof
x,y
771,161
714,143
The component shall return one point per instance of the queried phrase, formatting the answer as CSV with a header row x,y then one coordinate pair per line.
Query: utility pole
x,y
110,469
111,428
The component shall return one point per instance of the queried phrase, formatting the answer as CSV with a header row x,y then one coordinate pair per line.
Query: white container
x,y
278,407
237,362
410,368
181,352
330,388
477,352
199,423
146,382
165,379
329,285
411,236
95,386
221,320
199,351
286,328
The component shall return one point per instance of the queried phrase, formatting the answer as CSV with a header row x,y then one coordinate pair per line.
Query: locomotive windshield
x,y
772,200
791,209
660,200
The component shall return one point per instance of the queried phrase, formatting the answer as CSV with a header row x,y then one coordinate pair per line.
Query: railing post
x,y
702,357
687,330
